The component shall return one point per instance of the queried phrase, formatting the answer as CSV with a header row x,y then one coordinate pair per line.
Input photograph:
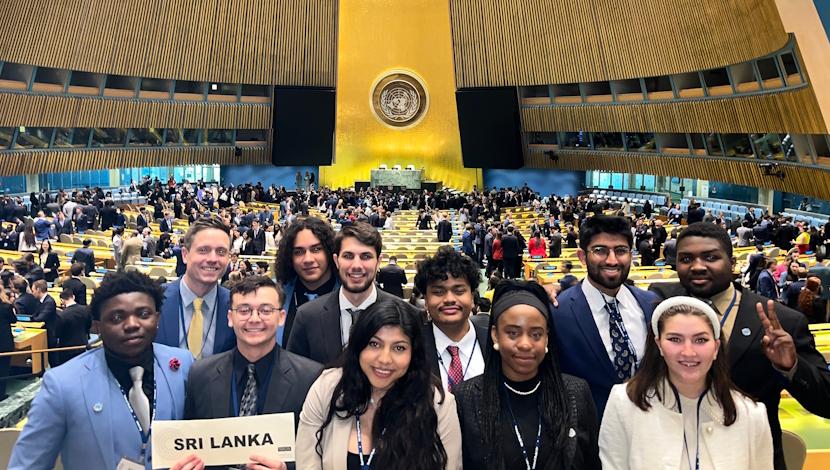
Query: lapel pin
x,y
746,331
571,432
98,407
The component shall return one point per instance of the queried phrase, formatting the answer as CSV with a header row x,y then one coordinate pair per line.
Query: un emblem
x,y
399,99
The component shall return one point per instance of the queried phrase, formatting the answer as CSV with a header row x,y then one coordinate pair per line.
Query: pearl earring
x,y
496,346
546,349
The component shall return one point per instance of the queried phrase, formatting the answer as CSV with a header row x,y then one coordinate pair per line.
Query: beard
x,y
349,285
596,275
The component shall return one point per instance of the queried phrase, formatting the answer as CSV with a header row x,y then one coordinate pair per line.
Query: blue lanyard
x,y
367,464
519,436
145,437
729,309
234,394
464,371
697,429
185,327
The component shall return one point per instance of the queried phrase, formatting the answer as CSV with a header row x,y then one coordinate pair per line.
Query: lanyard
x,y
185,327
697,430
466,368
145,437
234,393
519,436
367,464
729,308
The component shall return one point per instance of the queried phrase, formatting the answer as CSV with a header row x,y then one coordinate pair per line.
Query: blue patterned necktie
x,y
624,360
248,405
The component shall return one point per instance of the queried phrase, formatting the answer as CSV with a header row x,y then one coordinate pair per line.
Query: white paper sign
x,y
224,441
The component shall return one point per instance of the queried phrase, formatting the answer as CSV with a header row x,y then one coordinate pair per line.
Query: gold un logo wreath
x,y
399,99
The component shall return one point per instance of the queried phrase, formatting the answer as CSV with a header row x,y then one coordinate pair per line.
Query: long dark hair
x,y
405,426
653,371
554,406
285,259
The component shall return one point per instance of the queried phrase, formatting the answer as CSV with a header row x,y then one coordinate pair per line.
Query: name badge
x,y
127,464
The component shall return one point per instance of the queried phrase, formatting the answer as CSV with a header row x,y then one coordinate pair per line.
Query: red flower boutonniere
x,y
175,364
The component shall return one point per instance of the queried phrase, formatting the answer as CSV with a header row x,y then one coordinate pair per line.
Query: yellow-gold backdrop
x,y
377,37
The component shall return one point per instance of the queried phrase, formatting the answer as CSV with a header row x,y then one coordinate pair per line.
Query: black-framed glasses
x,y
603,251
264,311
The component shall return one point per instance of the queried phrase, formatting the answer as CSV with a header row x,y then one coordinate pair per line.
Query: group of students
x,y
601,376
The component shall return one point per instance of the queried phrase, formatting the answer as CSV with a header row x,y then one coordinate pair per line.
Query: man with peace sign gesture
x,y
769,345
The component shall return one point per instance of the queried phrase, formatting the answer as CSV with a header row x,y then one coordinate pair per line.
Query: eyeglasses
x,y
264,311
604,251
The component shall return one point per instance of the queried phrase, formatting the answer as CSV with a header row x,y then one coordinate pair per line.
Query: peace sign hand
x,y
778,345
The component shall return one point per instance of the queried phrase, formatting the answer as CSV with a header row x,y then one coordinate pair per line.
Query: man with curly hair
x,y
455,340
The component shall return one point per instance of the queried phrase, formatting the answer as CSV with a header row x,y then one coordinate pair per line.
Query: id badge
x,y
127,464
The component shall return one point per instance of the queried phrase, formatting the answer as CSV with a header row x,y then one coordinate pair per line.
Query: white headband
x,y
693,302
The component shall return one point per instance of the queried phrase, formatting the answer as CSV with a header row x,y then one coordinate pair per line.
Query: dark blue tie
x,y
624,358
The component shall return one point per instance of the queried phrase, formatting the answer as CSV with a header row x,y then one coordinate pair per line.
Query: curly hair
x,y
285,253
447,262
405,426
124,283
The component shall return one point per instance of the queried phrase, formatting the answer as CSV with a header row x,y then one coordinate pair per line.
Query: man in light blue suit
x,y
194,313
601,324
95,411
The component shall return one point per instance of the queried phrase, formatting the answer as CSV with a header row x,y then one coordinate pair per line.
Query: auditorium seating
x,y
731,209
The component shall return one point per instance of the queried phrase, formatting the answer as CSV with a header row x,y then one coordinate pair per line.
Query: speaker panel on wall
x,y
303,123
490,127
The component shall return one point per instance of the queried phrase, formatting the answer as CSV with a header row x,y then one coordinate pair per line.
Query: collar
x,y
442,340
240,364
188,296
710,410
344,302
596,299
722,299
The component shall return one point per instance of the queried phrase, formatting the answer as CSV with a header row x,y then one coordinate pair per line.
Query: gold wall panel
x,y
536,42
376,38
793,111
33,162
286,42
810,181
69,111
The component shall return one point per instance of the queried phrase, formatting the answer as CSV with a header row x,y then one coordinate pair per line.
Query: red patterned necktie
x,y
455,374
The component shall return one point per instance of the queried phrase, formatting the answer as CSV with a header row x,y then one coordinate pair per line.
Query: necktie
x,y
624,360
354,312
455,374
194,332
138,400
248,405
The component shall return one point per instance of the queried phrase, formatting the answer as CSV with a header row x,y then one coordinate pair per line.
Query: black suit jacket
x,y
27,304
73,325
78,288
316,331
444,231
581,452
48,314
258,241
510,246
7,317
208,393
753,373
392,278
481,323
86,256
53,263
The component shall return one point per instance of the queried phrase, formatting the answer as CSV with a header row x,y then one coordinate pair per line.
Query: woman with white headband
x,y
680,410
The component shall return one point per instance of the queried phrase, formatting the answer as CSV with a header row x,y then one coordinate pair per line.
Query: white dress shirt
x,y
346,317
470,366
632,315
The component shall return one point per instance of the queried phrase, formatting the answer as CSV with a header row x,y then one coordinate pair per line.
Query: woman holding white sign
x,y
382,408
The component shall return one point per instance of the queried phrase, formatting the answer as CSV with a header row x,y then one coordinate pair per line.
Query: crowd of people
x,y
559,378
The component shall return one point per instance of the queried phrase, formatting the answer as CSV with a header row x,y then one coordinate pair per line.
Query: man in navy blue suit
x,y
601,323
195,305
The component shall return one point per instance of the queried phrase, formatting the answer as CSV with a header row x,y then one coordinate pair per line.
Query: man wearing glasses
x,y
601,324
255,377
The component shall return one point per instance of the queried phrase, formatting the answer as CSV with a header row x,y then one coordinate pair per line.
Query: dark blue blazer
x,y
169,324
579,345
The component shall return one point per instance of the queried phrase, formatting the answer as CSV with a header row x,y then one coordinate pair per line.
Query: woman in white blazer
x,y
382,409
680,410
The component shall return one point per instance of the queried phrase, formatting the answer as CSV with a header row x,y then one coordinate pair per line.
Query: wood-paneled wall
x,y
810,181
792,111
285,42
62,161
70,111
537,42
